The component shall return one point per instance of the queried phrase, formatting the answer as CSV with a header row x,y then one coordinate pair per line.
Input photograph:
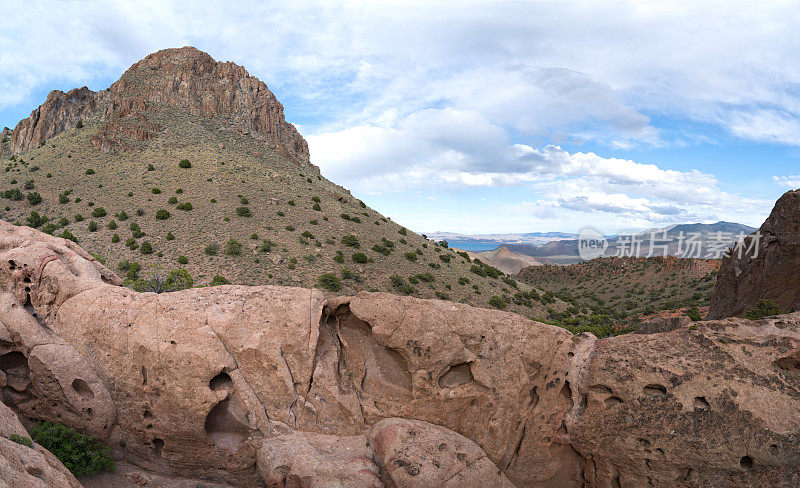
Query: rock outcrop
x,y
185,80
768,266
276,385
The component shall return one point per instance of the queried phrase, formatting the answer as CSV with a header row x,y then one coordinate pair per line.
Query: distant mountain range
x,y
695,240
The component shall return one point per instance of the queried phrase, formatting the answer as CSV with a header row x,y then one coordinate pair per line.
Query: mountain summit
x,y
185,79
186,162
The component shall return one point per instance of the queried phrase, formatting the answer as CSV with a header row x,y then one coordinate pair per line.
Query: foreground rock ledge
x,y
274,386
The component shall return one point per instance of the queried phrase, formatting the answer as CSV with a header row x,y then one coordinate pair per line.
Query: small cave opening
x,y
456,375
82,389
221,381
700,403
226,425
655,390
746,463
15,365
158,447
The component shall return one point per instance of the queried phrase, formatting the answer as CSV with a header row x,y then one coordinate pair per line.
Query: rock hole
x,y
773,448
534,398
11,264
225,425
15,365
221,381
790,362
158,447
615,482
746,463
456,375
82,389
700,403
144,376
566,395
147,414
35,472
655,390
612,400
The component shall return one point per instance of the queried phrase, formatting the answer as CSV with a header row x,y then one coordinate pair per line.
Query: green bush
x,y
162,214
330,281
34,198
290,228
411,256
359,257
147,248
25,441
694,314
115,238
184,163
150,167
172,200
92,226
122,216
155,191
402,231
90,171
233,247
29,185
79,453
183,259
79,125
170,237
186,206
351,240
243,212
764,308
219,280
317,207
399,284
498,302
63,198
112,224
351,275
35,220
98,212
211,249
179,279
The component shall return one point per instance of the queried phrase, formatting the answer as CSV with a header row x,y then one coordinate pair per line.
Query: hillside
x,y
613,294
247,205
506,261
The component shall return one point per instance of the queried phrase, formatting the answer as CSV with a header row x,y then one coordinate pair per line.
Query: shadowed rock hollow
x,y
276,385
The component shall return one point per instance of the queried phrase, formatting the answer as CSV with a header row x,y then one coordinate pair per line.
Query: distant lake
x,y
475,245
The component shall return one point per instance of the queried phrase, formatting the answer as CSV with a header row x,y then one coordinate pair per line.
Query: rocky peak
x,y
771,273
184,79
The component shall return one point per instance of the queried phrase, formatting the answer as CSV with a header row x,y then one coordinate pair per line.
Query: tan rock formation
x,y
249,385
182,79
507,261
772,273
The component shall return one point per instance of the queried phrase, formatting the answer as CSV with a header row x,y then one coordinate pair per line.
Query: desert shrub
x,y
13,194
179,191
122,216
34,198
402,231
426,277
330,282
115,238
79,453
498,302
79,125
291,202
172,200
112,224
29,185
170,236
211,249
68,235
764,308
150,167
350,218
410,256
184,163
359,257
90,171
243,200
35,220
694,314
316,207
266,246
92,226
63,198
339,258
464,255
63,222
186,206
219,280
381,249
351,241
243,212
463,281
510,282
155,191
49,228
98,212
280,214
233,247
290,228
183,259
25,441
162,214
307,234
147,248
179,279
254,236
441,295
399,284
351,275
445,257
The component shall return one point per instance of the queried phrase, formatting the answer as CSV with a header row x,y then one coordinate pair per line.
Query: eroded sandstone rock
x,y
253,384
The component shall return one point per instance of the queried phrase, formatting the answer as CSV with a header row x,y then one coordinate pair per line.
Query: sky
x,y
480,117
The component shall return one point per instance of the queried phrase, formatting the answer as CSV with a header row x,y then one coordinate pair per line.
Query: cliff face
x,y
184,79
772,273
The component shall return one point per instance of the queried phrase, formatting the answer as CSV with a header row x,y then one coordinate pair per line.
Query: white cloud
x,y
792,181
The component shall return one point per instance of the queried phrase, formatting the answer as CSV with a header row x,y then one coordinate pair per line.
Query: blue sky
x,y
483,117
